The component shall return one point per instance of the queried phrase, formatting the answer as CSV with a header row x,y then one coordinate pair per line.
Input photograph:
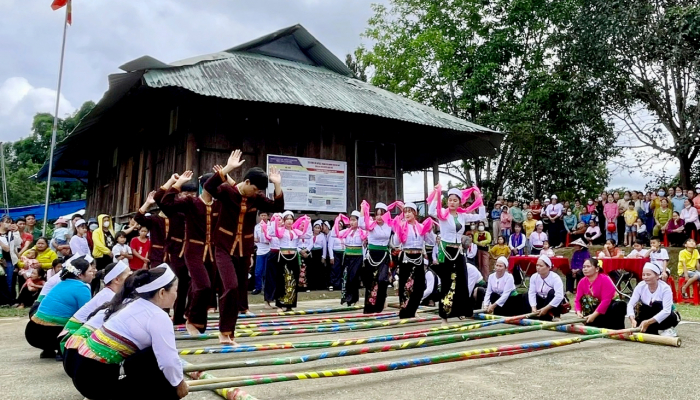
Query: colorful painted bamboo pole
x,y
299,321
434,331
293,330
402,364
420,343
589,330
298,312
228,393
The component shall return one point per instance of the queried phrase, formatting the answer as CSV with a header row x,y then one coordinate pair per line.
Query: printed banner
x,y
311,184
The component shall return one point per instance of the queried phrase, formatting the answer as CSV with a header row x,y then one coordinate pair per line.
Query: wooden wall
x,y
201,132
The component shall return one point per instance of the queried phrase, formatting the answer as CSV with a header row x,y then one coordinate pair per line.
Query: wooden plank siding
x,y
202,133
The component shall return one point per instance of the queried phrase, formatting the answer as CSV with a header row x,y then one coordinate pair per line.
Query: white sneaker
x,y
330,288
670,332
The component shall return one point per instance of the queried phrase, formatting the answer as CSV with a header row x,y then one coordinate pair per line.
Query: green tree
x,y
644,56
25,157
497,64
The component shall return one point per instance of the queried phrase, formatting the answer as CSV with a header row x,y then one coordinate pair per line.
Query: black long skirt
x,y
70,357
98,381
287,279
434,294
376,281
455,300
644,312
614,317
43,337
515,305
271,276
337,270
144,379
554,312
351,280
315,273
411,284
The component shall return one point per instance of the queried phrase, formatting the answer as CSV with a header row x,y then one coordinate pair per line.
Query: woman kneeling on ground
x,y
501,298
651,306
60,304
595,298
546,292
141,337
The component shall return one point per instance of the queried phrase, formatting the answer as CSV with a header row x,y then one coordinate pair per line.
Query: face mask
x,y
590,202
679,194
93,227
473,227
627,197
697,190
568,213
662,193
481,228
105,224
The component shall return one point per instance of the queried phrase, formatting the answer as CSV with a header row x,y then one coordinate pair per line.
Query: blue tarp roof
x,y
55,209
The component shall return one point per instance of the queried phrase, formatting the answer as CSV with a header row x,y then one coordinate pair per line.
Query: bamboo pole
x,y
419,343
298,312
434,331
294,330
402,364
227,393
589,330
299,321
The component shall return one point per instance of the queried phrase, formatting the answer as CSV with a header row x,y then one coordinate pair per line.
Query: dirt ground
x,y
625,370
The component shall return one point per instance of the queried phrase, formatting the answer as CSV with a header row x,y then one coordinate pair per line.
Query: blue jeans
x,y
9,270
611,235
260,264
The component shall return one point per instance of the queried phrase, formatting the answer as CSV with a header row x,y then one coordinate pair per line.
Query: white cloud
x,y
20,101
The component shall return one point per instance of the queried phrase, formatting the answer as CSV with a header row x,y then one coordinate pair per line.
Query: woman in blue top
x,y
59,305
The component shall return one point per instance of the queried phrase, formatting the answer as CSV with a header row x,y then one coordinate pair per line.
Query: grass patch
x,y
9,312
689,312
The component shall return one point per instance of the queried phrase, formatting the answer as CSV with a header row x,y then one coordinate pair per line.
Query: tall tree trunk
x,y
425,184
685,164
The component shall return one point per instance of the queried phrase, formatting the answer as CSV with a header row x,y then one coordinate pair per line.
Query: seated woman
x,y
475,284
501,298
595,298
97,318
610,250
578,258
675,230
593,235
31,288
651,306
546,292
142,337
579,231
59,305
114,276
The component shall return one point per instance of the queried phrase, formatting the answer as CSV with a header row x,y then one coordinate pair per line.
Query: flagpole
x,y
55,121
4,179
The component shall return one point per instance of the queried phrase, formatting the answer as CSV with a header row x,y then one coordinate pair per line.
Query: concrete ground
x,y
596,368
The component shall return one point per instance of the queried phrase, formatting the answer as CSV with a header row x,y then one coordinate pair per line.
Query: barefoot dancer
x,y
233,238
375,271
455,301
199,255
353,237
288,261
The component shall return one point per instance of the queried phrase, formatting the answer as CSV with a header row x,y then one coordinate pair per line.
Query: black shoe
x,y
59,357
256,291
47,354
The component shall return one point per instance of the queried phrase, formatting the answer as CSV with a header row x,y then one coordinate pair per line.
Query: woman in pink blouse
x,y
595,298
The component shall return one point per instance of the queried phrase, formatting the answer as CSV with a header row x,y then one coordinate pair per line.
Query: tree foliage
x,y
498,63
644,55
25,157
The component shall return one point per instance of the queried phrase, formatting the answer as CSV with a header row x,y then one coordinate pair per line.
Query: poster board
x,y
311,184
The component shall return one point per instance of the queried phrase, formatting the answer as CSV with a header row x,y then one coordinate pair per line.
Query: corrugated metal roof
x,y
250,77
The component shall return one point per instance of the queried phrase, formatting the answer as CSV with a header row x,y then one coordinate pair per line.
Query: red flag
x,y
63,3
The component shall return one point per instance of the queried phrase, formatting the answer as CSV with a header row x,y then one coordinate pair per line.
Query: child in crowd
x,y
31,288
506,222
517,241
140,247
61,233
687,265
546,251
659,256
630,216
638,250
30,263
121,250
642,233
500,249
56,267
610,211
610,250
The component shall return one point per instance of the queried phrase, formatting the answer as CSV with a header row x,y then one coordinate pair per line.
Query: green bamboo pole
x,y
437,341
227,393
402,364
297,312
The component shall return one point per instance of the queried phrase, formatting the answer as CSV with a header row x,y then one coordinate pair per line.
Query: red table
x,y
632,265
527,264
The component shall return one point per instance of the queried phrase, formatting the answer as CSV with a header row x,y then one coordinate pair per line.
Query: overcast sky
x,y
106,34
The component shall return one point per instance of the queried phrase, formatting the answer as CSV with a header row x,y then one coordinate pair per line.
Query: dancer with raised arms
x,y
375,271
288,261
353,237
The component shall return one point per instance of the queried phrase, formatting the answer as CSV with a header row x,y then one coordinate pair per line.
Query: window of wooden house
x,y
375,172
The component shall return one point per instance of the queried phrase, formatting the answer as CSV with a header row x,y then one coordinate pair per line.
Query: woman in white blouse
x,y
546,292
141,337
375,271
651,306
353,255
455,300
537,239
501,298
288,259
